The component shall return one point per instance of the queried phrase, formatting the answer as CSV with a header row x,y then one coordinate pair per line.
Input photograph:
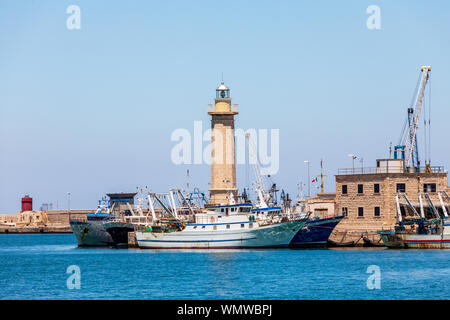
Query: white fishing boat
x,y
221,227
419,231
431,234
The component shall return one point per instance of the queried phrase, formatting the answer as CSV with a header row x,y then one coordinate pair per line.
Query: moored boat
x,y
420,231
419,234
90,232
223,227
316,232
118,230
371,243
334,244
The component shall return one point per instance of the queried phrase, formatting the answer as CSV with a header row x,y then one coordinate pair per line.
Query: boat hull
x,y
271,236
315,233
119,232
89,234
415,241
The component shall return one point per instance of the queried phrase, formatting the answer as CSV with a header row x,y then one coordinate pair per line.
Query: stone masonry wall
x,y
385,199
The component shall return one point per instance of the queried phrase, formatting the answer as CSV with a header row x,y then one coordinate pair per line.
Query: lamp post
x,y
353,162
68,204
309,180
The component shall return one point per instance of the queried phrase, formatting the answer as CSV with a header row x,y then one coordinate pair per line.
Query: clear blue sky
x,y
91,111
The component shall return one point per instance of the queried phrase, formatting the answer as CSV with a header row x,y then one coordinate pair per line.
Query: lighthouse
x,y
223,154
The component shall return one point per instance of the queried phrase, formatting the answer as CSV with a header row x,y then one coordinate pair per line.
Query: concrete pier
x,y
36,229
132,242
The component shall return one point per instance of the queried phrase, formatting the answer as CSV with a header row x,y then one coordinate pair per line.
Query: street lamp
x,y
309,180
68,204
353,162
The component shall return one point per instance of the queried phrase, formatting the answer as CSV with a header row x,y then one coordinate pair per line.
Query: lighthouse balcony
x,y
234,109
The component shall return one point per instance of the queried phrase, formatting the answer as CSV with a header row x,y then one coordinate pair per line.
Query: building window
x,y
401,187
203,227
345,211
360,212
242,225
228,226
360,188
429,187
376,188
344,189
250,225
376,212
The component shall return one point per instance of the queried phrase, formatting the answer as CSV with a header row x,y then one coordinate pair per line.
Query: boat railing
x,y
375,170
143,220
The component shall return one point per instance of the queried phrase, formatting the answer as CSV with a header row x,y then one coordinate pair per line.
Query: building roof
x,y
122,195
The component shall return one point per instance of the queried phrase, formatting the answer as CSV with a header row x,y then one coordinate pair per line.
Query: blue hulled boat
x,y
316,232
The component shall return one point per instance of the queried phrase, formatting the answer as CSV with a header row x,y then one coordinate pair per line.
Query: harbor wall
x,y
132,241
8,218
62,216
51,221
35,229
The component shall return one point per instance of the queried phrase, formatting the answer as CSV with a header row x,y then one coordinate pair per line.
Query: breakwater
x,y
35,229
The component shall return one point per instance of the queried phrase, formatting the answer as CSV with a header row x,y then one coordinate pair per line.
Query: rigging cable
x,y
429,122
405,133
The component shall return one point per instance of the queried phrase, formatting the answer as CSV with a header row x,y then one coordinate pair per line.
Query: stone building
x,y
321,205
8,219
368,196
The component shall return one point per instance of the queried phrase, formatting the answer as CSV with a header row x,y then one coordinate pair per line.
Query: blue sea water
x,y
34,266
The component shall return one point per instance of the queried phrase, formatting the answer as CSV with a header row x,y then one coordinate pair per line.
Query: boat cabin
x,y
267,211
225,217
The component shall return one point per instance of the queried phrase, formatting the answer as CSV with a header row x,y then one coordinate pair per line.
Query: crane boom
x,y
413,125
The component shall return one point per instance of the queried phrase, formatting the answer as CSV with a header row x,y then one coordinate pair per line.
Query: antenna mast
x,y
321,176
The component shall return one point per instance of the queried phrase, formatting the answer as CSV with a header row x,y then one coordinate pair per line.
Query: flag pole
x,y
321,176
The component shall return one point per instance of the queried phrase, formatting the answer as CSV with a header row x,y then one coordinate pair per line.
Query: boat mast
x,y
321,176
262,196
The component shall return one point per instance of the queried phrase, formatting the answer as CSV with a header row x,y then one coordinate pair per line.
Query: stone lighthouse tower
x,y
223,156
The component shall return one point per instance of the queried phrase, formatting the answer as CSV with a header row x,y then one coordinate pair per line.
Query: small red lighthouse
x,y
27,203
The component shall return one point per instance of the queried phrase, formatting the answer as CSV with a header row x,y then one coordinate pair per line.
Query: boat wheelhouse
x,y
91,232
